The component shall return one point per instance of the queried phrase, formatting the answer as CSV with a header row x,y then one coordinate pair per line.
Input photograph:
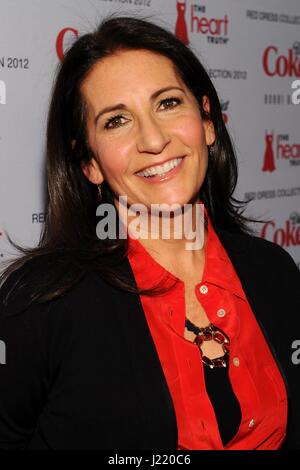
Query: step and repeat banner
x,y
251,50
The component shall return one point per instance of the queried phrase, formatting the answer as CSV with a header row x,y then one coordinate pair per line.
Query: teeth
x,y
160,169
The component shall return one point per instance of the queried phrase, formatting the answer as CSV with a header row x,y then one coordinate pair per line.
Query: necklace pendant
x,y
198,340
210,333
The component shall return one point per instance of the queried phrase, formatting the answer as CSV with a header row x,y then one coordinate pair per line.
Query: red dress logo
x,y
269,160
181,28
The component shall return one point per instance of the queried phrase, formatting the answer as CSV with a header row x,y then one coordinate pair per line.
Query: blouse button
x,y
236,361
251,423
221,312
203,289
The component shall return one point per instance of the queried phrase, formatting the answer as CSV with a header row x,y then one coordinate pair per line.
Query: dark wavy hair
x,y
68,246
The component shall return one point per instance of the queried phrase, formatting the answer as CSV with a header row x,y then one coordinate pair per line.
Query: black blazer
x,y
82,372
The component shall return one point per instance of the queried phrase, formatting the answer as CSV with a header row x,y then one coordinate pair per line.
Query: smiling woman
x,y
127,343
154,131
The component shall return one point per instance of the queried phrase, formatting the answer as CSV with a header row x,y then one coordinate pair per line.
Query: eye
x,y
113,122
169,102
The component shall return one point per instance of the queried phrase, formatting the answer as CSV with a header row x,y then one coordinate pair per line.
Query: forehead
x,y
127,73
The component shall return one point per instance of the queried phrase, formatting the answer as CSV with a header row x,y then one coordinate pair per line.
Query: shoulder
x,y
16,292
46,330
250,245
260,262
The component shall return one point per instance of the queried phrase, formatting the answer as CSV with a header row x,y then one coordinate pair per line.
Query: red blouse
x,y
254,375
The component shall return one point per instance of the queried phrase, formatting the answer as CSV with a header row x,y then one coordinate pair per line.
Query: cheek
x,y
113,159
192,133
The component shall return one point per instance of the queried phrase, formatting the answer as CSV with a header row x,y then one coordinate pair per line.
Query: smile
x,y
160,172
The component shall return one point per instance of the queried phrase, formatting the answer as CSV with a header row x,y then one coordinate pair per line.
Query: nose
x,y
152,137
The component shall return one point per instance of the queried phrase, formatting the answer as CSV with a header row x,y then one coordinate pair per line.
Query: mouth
x,y
161,172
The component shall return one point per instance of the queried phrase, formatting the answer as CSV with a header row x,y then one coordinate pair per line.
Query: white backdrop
x,y
252,51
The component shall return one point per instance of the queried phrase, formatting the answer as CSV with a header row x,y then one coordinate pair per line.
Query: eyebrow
x,y
123,106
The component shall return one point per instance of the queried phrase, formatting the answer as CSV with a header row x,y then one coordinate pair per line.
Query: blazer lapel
x,y
155,399
240,249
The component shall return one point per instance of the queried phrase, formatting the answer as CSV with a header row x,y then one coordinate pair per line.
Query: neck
x,y
176,240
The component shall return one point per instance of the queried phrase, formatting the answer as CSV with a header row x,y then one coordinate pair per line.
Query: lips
x,y
165,176
159,164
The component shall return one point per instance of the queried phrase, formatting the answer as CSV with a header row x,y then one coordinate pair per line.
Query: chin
x,y
175,201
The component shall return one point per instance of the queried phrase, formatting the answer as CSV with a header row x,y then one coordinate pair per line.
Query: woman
x,y
121,342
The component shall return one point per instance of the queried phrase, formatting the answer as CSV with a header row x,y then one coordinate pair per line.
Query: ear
x,y
210,135
92,171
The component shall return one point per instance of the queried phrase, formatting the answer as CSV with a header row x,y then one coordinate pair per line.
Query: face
x,y
155,120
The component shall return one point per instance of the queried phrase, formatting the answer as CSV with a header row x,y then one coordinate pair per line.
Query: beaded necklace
x,y
210,333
